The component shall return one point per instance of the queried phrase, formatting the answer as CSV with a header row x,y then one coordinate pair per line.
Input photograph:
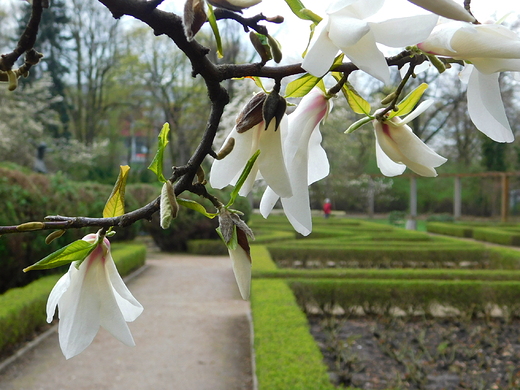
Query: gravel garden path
x,y
194,334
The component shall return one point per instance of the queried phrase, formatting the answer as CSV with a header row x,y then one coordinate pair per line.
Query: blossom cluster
x,y
291,155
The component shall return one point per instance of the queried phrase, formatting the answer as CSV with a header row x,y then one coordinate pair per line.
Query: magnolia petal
x,y
418,69
345,30
493,65
420,169
386,165
110,316
363,9
412,148
318,164
338,5
423,106
56,293
367,57
79,314
485,107
465,74
321,52
126,302
447,8
242,270
271,162
439,42
224,172
387,144
485,41
269,199
391,32
297,207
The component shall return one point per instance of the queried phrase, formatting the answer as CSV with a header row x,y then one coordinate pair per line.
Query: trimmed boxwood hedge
x,y
384,256
450,229
22,309
497,236
396,274
286,354
380,296
207,247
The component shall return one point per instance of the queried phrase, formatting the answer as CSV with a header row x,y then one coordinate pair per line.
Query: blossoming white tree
x,y
284,151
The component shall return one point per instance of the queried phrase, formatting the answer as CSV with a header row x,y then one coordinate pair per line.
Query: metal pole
x,y
505,198
370,198
457,199
411,223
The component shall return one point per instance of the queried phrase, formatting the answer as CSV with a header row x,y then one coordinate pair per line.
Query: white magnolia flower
x,y
269,165
447,8
242,269
491,49
230,224
305,159
345,28
397,147
93,295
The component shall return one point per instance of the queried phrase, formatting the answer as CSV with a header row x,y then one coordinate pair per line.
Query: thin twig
x,y
27,39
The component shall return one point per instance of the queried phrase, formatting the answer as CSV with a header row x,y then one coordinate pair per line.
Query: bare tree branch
x,y
26,41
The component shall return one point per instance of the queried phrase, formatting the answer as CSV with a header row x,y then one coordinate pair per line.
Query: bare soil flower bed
x,y
419,353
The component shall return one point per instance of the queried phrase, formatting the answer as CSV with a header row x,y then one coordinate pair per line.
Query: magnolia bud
x,y
276,49
54,235
251,115
234,5
169,206
201,177
194,17
388,99
226,148
28,226
447,8
274,108
263,50
13,80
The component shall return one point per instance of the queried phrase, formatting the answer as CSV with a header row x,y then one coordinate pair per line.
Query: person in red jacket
x,y
327,208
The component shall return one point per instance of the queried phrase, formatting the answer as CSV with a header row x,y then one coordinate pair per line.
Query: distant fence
x,y
505,192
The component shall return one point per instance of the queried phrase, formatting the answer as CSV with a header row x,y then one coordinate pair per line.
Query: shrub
x,y
497,236
381,296
286,355
395,274
22,309
449,229
207,247
32,196
504,258
381,256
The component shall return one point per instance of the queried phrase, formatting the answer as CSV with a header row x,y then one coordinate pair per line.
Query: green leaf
x,y
321,85
406,105
116,202
76,251
302,12
213,23
354,99
301,86
191,204
356,125
243,176
156,166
